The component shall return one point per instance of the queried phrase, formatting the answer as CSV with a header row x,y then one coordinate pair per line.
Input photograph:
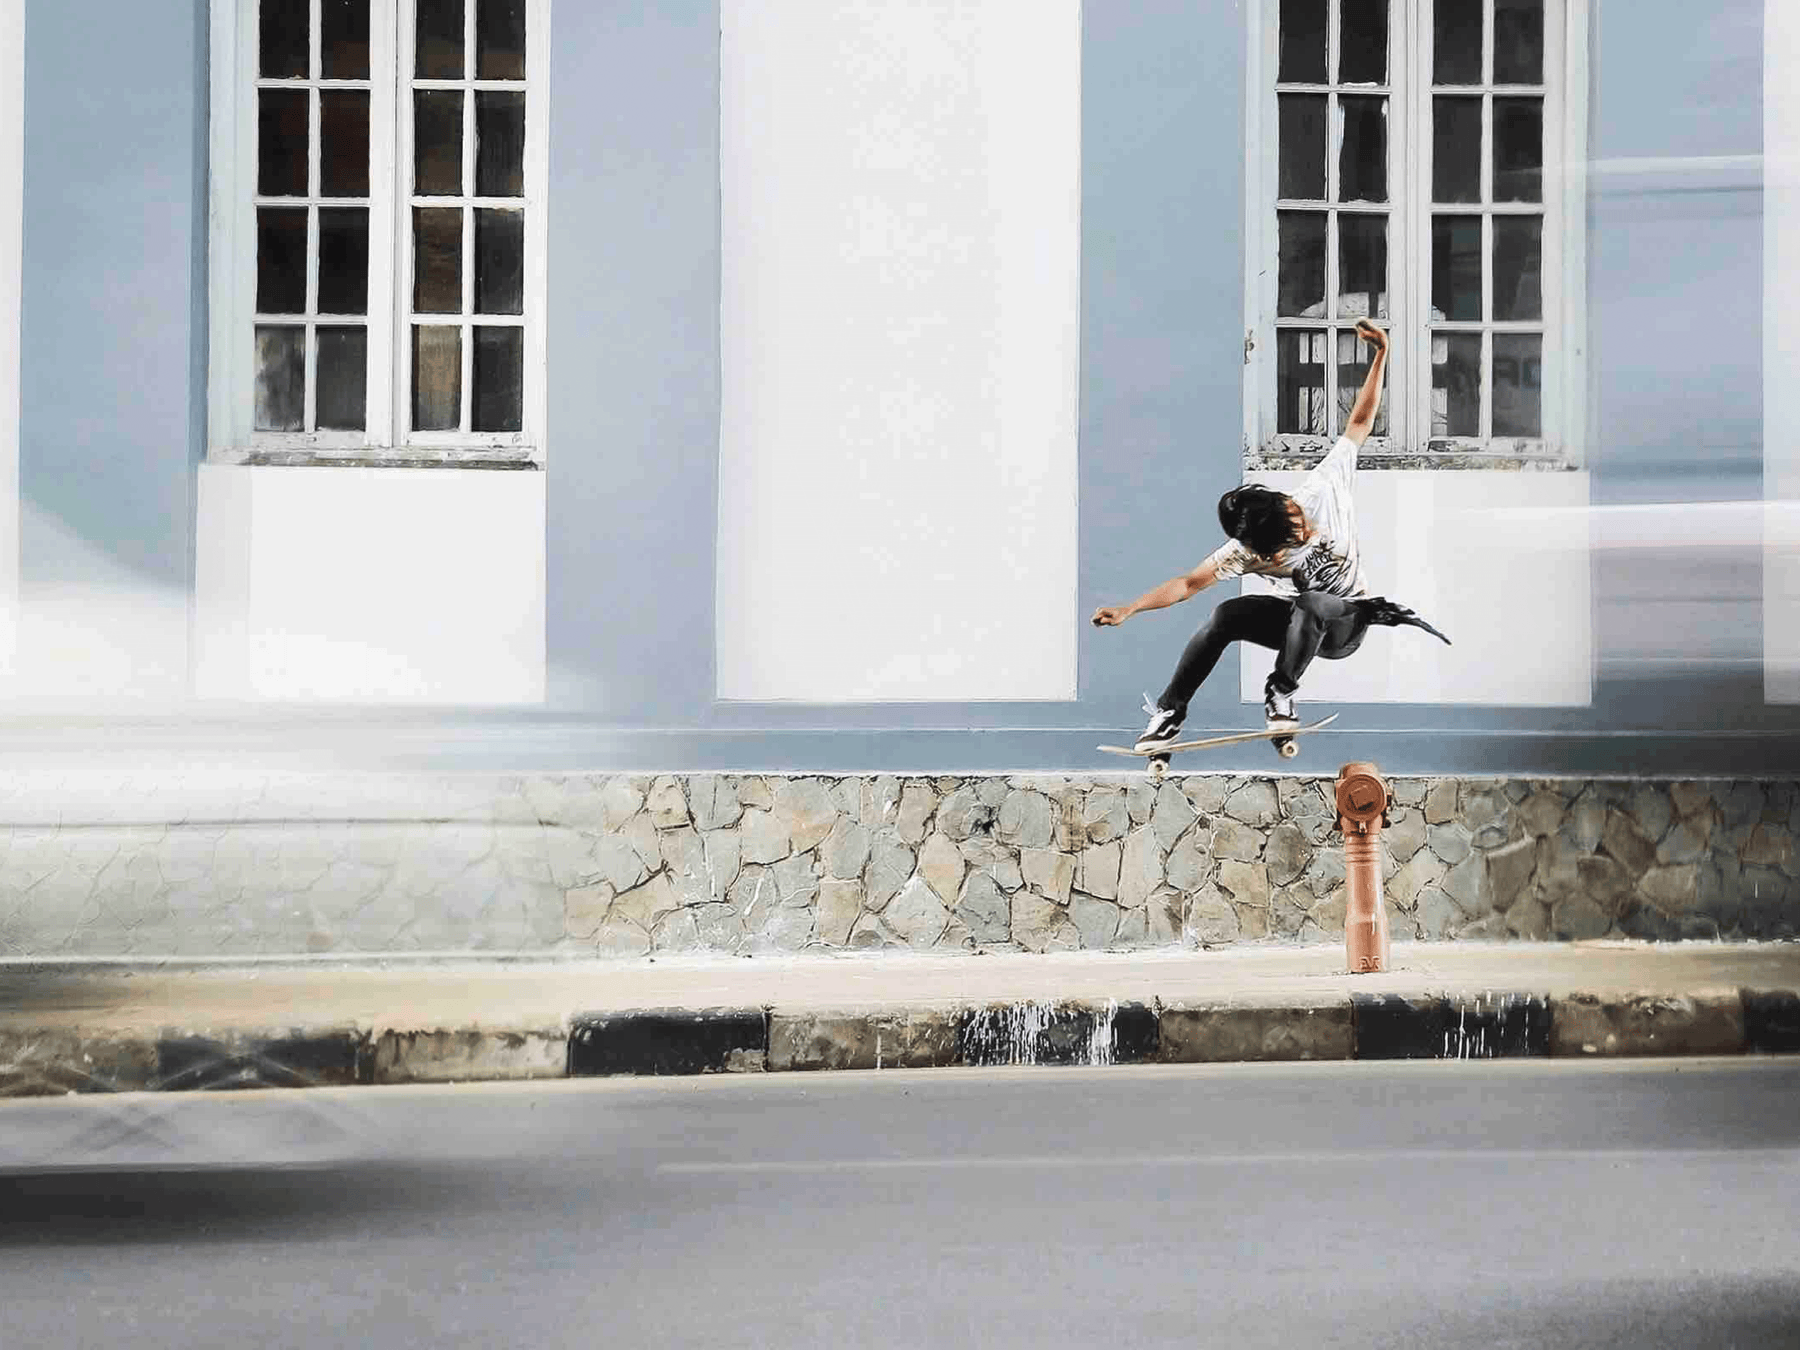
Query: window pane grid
x,y
1462,350
479,408
286,341
1328,271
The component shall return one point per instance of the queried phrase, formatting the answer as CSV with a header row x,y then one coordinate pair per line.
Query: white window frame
x,y
388,439
1408,443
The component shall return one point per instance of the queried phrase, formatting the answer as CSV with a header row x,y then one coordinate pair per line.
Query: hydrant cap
x,y
1361,793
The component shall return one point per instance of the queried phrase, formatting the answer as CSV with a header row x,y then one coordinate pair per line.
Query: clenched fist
x,y
1109,616
1372,335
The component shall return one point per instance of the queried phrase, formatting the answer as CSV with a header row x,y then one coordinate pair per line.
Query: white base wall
x,y
1499,562
370,585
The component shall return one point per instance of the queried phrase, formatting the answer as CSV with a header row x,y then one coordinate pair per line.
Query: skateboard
x,y
1284,744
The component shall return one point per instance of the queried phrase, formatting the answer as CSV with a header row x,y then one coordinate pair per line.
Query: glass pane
x,y
343,260
1302,59
437,379
437,259
1300,383
440,40
1519,42
1353,357
1518,384
499,144
1363,42
1518,149
499,379
1456,42
1302,146
281,260
1456,384
500,40
1455,149
343,379
282,52
344,51
281,142
1456,268
343,143
1518,267
437,142
1300,280
1362,267
280,379
1362,161
499,262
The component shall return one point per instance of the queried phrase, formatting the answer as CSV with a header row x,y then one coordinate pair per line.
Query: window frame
x,y
1408,443
388,439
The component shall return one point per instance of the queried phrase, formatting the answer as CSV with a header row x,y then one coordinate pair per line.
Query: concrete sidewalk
x,y
99,1027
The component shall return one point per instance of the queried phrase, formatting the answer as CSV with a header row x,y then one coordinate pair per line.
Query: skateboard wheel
x,y
1158,767
1287,749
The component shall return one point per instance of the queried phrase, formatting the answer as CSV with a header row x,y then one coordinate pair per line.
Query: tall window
x,y
1417,162
378,230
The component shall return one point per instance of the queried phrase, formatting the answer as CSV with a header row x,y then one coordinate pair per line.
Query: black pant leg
x,y
1321,625
1259,619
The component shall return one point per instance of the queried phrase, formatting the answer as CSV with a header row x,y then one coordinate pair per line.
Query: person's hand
x,y
1109,616
1372,335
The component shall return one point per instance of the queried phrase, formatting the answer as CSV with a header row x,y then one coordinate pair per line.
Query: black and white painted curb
x,y
676,1041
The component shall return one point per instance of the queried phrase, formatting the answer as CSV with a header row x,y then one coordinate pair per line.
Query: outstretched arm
x,y
1368,399
1171,592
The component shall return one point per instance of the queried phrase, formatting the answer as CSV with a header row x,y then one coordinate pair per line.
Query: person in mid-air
x,y
1307,544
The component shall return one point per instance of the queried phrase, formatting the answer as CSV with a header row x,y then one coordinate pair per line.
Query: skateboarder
x,y
1307,544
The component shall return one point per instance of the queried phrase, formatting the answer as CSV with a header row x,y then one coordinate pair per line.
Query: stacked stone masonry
x,y
629,866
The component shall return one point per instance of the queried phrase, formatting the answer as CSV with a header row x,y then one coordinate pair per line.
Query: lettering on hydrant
x,y
1362,804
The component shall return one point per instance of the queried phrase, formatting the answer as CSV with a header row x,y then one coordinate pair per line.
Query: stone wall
x,y
627,866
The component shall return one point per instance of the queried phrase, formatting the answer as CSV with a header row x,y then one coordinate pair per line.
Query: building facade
x,y
736,385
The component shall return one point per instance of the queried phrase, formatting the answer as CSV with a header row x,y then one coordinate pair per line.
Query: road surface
x,y
1430,1205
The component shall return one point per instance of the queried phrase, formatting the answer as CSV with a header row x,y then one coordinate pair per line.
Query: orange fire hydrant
x,y
1362,804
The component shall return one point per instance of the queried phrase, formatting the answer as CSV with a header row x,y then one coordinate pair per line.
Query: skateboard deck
x,y
1284,744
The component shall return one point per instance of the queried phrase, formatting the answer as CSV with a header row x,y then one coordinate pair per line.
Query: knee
x,y
1316,604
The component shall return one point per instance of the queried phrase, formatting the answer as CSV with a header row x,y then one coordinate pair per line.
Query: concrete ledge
x,y
65,1030
925,1038
1488,1026
1772,1021
1705,1022
470,1056
1223,1034
670,1041
1058,1033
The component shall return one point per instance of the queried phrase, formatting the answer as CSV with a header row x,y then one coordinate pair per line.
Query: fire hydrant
x,y
1362,805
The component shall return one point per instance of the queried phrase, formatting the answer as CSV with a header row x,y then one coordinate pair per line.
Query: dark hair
x,y
1258,518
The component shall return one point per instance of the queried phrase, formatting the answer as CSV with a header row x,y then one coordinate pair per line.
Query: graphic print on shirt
x,y
1330,561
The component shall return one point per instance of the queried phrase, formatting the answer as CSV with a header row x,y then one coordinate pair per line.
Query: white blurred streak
x,y
112,634
1655,525
12,201
1781,341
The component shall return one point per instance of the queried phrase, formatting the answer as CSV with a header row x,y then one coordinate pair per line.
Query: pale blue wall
x,y
112,416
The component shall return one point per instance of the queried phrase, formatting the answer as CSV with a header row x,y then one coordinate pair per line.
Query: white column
x,y
12,201
1781,350
899,342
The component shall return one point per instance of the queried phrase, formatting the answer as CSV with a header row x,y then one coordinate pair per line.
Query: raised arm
x,y
1368,398
1171,592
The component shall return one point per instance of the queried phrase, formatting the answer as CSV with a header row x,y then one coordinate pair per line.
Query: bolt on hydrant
x,y
1362,805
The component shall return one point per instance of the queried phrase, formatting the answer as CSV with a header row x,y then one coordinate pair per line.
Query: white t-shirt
x,y
1329,561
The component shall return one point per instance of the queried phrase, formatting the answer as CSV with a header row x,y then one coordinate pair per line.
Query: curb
x,y
662,1042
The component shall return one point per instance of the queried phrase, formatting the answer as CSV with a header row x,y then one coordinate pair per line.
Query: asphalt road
x,y
1428,1205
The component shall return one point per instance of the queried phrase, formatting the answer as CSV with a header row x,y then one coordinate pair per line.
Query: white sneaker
x,y
1278,709
1164,726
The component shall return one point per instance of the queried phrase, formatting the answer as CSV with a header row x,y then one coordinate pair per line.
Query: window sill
x,y
381,459
1273,462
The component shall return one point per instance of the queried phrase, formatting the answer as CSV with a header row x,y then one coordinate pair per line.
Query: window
x,y
378,231
1418,162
